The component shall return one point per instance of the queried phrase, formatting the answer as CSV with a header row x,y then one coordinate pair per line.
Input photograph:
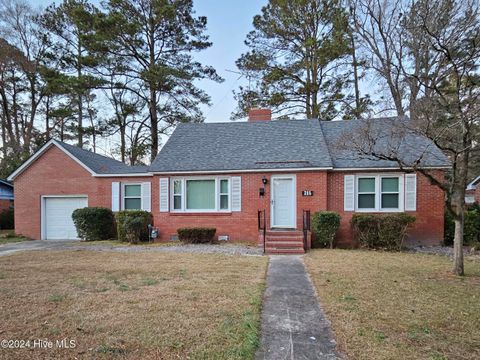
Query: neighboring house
x,y
223,174
472,193
6,195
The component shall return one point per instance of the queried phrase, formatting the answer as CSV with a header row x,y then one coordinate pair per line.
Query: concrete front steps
x,y
284,242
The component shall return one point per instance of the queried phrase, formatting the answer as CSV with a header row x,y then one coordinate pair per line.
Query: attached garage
x,y
57,212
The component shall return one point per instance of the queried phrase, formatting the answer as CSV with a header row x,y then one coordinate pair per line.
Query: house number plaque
x,y
307,193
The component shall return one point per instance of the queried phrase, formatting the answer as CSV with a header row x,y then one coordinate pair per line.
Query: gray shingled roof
x,y
281,144
101,164
244,145
386,136
285,144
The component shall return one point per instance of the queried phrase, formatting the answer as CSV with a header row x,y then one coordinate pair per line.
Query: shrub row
x,y
196,235
96,223
471,231
381,231
324,227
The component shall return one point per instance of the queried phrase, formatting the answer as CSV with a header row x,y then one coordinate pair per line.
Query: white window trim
x,y
378,193
217,194
123,197
228,193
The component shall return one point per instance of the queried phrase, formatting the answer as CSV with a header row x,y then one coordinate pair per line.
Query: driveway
x,y
8,249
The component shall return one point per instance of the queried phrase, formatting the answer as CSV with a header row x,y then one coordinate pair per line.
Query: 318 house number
x,y
307,193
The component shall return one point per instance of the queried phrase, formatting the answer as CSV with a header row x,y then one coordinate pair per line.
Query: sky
x,y
228,22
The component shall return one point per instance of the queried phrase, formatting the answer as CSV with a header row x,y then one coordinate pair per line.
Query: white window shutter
x,y
410,192
349,192
146,197
236,191
164,195
115,196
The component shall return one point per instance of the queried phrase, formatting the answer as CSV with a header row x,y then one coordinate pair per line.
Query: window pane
x,y
201,194
132,190
390,184
366,185
224,202
224,186
366,201
133,204
390,201
177,187
177,202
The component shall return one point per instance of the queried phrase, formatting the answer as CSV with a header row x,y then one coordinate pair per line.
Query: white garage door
x,y
58,217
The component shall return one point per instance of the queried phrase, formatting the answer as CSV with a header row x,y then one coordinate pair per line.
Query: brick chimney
x,y
259,115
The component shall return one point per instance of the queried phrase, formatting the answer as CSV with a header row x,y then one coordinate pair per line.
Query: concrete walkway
x,y
293,323
7,249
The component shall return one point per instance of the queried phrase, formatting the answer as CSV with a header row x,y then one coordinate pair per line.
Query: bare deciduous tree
x,y
447,104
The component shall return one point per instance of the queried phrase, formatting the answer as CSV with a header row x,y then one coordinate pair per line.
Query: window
x,y
366,193
201,194
224,191
379,193
177,194
132,197
390,193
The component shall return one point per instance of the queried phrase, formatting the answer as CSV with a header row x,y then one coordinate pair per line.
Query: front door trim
x,y
293,220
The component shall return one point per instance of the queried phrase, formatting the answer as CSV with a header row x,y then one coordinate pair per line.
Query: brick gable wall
x,y
55,173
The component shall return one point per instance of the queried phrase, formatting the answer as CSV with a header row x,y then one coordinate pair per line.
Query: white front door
x,y
283,202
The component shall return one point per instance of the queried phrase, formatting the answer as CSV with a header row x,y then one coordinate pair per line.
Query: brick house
x,y
6,195
226,175
472,193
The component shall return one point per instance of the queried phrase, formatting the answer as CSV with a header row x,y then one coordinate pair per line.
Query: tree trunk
x,y
153,124
153,92
4,138
357,111
47,119
458,245
79,95
122,142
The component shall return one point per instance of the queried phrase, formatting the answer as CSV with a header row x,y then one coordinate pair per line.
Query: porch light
x,y
264,181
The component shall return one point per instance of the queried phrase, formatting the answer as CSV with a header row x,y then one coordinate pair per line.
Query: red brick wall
x,y
477,194
54,173
5,204
242,226
428,227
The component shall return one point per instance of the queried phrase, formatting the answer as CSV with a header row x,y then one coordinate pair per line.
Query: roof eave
x,y
40,152
473,184
435,167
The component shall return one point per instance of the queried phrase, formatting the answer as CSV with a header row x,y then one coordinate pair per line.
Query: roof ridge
x,y
62,143
319,122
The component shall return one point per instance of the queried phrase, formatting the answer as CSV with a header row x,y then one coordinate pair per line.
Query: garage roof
x,y
97,165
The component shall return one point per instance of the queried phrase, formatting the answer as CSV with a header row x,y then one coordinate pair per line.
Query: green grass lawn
x,y
398,305
132,305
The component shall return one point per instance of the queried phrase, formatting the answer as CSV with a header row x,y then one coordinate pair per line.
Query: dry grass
x,y
398,305
9,236
118,243
135,305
